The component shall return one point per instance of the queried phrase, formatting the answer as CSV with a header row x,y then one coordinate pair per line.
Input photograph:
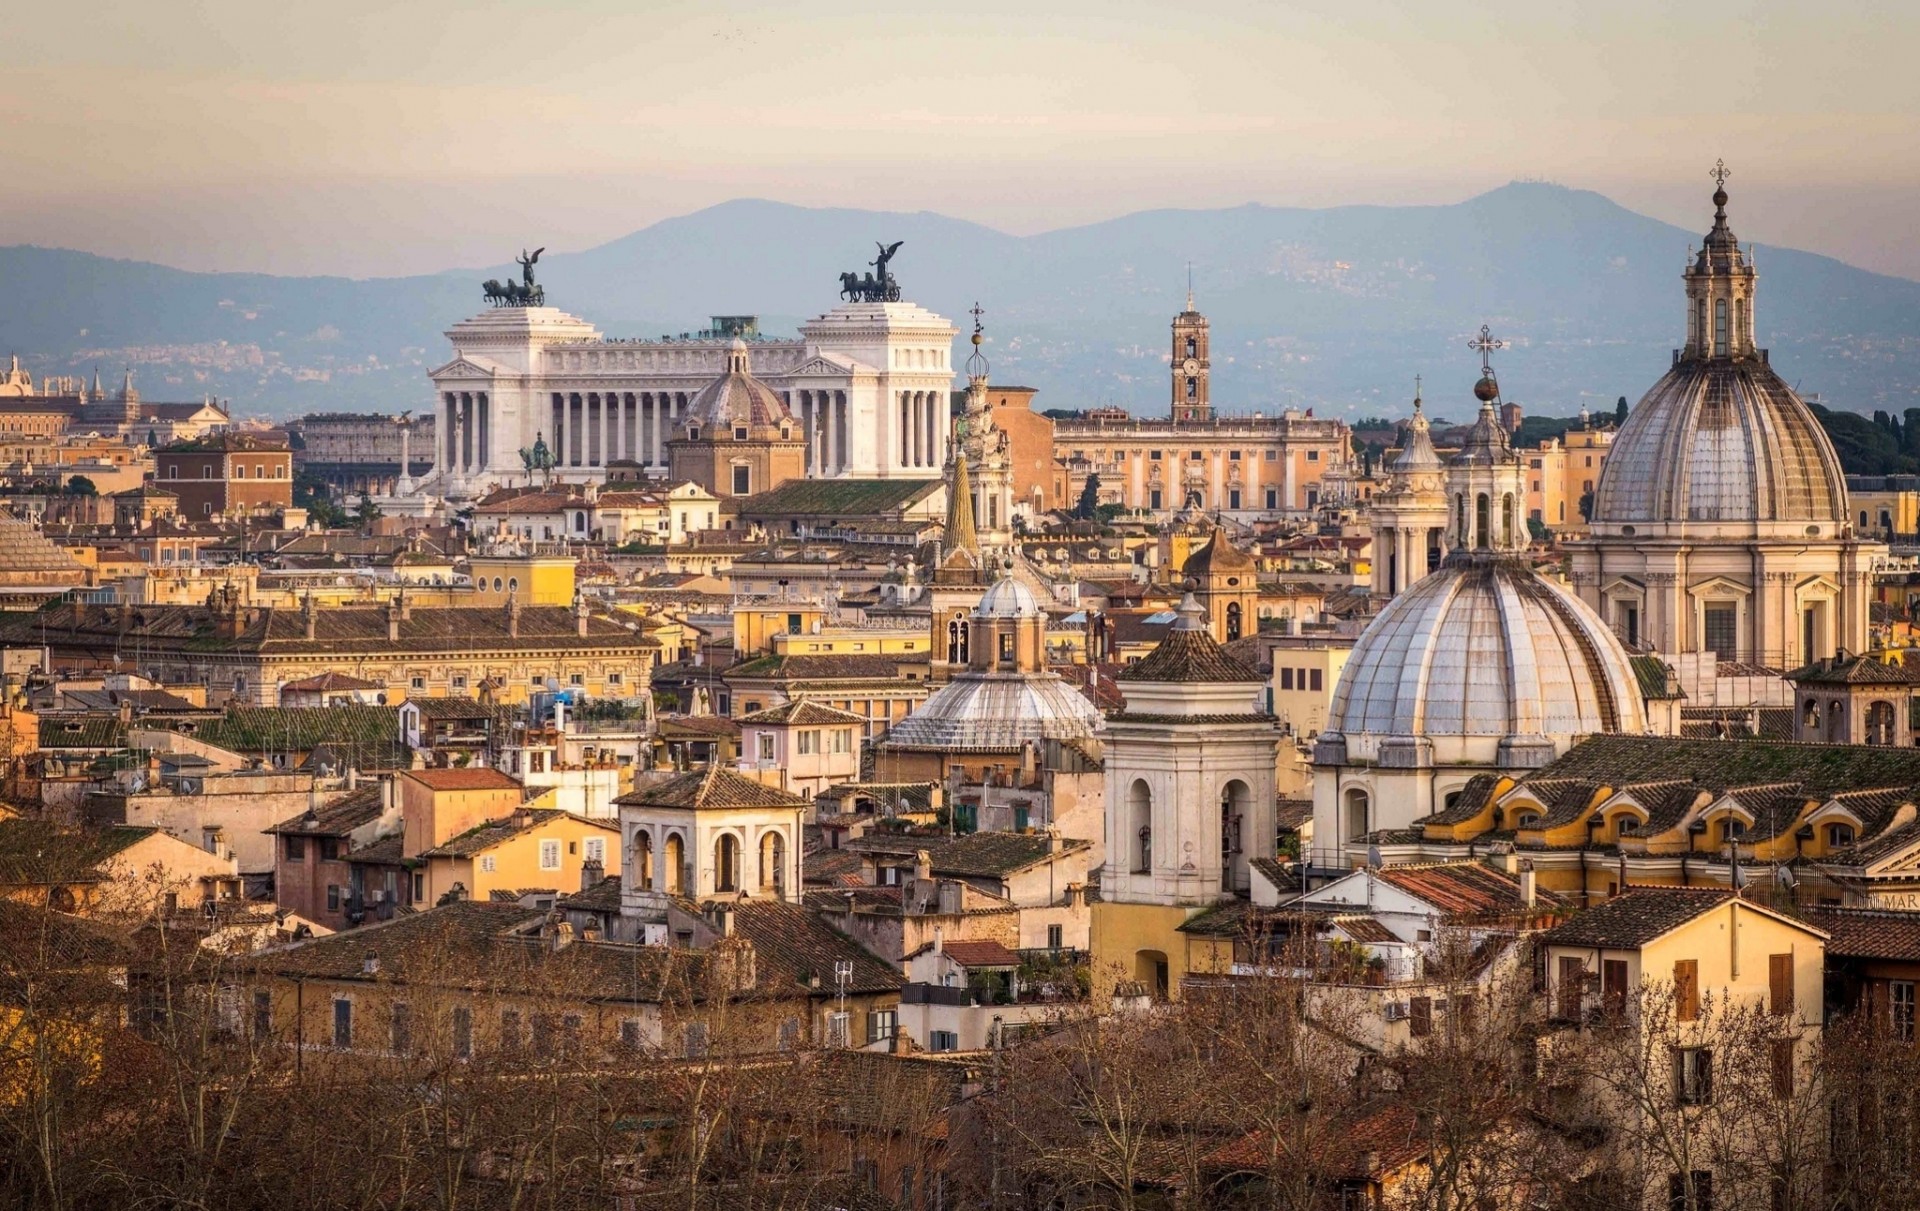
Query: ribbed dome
x,y
996,712
1008,598
736,397
1721,440
1484,647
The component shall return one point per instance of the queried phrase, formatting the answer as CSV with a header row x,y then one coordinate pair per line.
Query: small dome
x,y
1721,440
1484,647
736,397
1008,598
996,712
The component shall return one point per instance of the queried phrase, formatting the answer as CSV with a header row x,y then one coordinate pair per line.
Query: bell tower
x,y
1191,365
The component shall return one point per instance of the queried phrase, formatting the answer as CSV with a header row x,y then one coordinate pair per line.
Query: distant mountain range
x,y
1334,309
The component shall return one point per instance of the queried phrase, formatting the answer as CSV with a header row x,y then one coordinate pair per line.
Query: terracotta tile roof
x,y
713,787
697,725
980,954
82,732
1717,765
1867,933
1637,917
1854,670
829,865
1380,1139
33,940
792,947
37,852
846,667
603,897
1464,889
369,734
1187,656
803,712
483,837
479,778
453,708
836,497
330,681
338,816
987,855
1658,682
1364,929
1472,799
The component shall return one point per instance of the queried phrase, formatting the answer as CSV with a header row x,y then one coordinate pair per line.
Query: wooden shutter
x,y
1686,989
1613,985
1780,982
1420,1016
1571,983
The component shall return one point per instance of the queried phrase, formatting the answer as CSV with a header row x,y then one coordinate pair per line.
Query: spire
x,y
1189,285
977,361
961,535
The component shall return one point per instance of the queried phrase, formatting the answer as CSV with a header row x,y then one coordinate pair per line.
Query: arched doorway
x,y
1836,723
1235,798
1150,969
726,863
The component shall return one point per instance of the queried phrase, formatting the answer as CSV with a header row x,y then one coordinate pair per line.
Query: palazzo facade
x,y
869,384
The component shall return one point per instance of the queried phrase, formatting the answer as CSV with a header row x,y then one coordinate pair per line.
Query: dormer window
x,y
1626,826
739,433
1526,820
693,433
1839,836
1733,829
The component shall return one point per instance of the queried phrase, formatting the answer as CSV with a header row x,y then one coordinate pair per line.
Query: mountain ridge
x,y
1337,307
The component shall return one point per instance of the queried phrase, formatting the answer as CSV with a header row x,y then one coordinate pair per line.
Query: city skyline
x,y
363,142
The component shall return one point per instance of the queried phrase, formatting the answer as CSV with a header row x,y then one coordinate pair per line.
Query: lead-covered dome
x,y
1484,648
1721,440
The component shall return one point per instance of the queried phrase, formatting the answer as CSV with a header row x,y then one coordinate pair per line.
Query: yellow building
x,y
756,623
836,641
1886,505
1305,672
1560,472
528,849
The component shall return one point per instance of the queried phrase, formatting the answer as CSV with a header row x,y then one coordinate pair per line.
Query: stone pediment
x,y
466,366
828,365
1719,586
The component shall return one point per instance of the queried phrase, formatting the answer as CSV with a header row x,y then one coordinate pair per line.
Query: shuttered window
x,y
1686,989
1780,983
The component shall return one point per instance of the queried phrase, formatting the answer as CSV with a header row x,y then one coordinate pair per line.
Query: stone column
x,y
557,409
657,455
486,430
466,431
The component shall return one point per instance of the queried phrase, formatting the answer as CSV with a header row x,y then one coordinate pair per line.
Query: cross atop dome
x,y
977,361
1487,389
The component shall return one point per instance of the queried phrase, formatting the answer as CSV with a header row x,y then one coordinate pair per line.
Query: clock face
x,y
1190,366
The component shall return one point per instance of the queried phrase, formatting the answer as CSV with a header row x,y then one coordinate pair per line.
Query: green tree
x,y
1911,435
1089,505
366,511
80,485
1620,412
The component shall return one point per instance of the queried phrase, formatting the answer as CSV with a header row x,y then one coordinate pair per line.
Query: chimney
x,y
513,616
406,607
1527,889
922,866
307,614
370,965
901,1043
393,622
939,940
1510,861
522,817
591,872
590,933
580,616
1055,842
562,935
722,919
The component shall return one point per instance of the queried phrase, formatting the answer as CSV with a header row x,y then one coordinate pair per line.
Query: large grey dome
x,y
1484,647
1721,440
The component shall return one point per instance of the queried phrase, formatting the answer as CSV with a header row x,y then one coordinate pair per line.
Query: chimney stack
x,y
1527,888
922,866
393,622
513,615
591,872
939,940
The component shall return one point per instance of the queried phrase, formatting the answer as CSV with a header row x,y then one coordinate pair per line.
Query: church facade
x,y
867,383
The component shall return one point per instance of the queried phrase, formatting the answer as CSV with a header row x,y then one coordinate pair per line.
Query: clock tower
x,y
1190,365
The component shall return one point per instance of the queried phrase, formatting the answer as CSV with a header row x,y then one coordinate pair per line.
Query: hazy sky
x,y
347,136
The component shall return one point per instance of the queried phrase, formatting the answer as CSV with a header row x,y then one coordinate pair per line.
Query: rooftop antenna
x,y
1189,285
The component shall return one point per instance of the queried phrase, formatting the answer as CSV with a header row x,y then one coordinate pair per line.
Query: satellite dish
x,y
1373,855
1783,878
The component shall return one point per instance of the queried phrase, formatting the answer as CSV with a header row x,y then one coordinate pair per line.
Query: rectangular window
x,y
742,480
630,1035
1781,1057
1273,494
806,743
419,886
1702,1192
881,1025
1055,934
262,1015
1613,986
342,1023
1780,983
1286,679
462,1033
837,1029
1686,989
329,849
543,1035
1420,1017
1693,1076
842,740
549,855
766,746
1722,631
1569,987
943,1040
402,1035
1313,456
510,1030
1900,1003
1006,647
596,849
695,1040
296,849
487,864
1153,499
1316,678
333,897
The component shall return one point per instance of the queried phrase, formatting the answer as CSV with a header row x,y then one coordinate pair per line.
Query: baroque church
x,y
1720,522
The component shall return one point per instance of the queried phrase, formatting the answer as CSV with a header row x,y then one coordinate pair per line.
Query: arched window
x,y
726,863
1233,621
773,862
1836,722
1880,723
1234,800
1482,521
1193,388
676,872
1140,815
642,860
957,641
1506,520
1356,815
1740,336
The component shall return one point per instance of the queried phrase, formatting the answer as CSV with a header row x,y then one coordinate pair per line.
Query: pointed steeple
x,y
961,536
